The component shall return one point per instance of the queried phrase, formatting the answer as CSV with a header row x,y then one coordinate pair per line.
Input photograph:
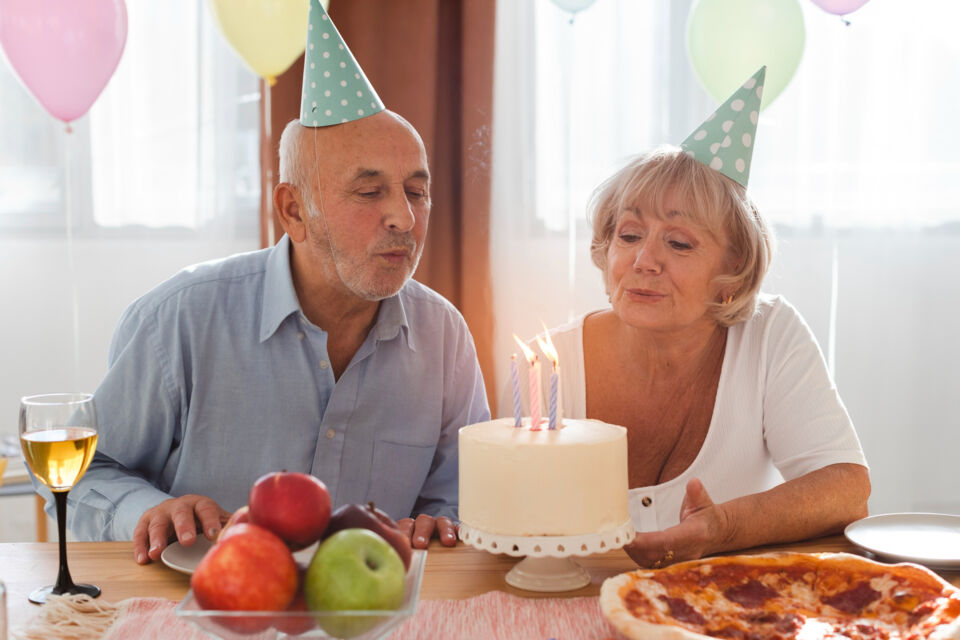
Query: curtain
x,y
431,61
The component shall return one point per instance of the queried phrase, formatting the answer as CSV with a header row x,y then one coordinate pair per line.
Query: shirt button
x,y
331,434
299,335
647,501
324,364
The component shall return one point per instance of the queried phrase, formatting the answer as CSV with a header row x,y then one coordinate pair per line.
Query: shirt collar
x,y
279,296
280,300
391,317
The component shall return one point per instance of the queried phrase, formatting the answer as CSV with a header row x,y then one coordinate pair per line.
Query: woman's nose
x,y
648,257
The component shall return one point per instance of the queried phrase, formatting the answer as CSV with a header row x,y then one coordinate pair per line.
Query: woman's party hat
x,y
725,140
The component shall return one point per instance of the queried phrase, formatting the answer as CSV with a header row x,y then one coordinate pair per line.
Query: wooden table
x,y
460,572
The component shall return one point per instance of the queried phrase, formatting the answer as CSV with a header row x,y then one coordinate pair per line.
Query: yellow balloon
x,y
268,34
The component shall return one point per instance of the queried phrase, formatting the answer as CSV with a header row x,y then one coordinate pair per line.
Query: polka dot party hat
x,y
335,90
725,140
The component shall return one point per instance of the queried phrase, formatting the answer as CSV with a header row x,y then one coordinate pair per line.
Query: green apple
x,y
354,570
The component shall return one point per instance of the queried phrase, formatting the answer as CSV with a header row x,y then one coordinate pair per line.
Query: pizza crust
x,y
611,604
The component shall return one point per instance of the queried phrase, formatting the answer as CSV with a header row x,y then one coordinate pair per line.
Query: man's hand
x,y
702,529
425,527
177,517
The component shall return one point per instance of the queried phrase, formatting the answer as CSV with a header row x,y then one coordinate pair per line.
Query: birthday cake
x,y
569,481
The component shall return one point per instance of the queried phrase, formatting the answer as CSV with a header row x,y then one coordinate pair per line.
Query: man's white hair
x,y
292,165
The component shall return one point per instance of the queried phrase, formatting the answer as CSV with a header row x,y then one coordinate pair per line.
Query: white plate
x,y
185,559
931,539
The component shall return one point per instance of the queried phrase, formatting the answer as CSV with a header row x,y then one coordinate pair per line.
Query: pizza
x,y
783,595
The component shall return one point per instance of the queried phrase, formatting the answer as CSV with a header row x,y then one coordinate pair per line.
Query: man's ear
x,y
290,211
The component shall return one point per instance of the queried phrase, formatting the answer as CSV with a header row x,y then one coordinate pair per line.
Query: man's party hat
x,y
725,140
335,90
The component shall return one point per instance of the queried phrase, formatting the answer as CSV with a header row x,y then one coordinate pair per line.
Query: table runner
x,y
492,616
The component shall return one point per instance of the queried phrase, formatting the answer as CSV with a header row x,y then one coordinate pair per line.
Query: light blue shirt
x,y
216,377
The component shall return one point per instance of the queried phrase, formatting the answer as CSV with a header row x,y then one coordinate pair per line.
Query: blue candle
x,y
515,378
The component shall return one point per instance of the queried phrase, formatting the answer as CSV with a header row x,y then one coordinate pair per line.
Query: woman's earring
x,y
727,299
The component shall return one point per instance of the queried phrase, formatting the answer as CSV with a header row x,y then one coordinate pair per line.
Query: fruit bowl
x,y
257,625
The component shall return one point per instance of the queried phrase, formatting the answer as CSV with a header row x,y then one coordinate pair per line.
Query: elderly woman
x,y
736,435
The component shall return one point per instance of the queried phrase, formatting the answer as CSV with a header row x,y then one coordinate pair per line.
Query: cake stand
x,y
549,563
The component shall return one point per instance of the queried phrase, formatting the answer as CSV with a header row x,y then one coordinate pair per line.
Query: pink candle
x,y
535,395
554,389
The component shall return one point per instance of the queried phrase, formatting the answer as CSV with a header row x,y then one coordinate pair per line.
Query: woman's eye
x,y
681,246
629,237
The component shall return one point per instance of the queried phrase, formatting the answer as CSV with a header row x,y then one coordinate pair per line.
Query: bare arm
x,y
818,503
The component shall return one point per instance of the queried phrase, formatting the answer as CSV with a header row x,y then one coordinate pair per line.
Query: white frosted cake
x,y
563,482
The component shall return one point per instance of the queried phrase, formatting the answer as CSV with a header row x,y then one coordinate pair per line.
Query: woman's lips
x,y
646,295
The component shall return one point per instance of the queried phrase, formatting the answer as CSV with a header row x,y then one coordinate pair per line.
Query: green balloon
x,y
728,40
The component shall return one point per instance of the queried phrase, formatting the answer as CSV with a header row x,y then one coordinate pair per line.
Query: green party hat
x,y
335,90
725,140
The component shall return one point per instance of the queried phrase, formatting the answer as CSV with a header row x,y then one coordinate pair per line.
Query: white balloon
x,y
573,5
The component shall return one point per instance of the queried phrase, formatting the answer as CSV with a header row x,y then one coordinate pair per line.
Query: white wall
x,y
37,318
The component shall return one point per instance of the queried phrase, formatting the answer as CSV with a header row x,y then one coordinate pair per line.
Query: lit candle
x,y
515,378
535,394
548,349
534,383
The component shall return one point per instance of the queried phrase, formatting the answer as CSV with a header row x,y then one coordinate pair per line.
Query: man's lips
x,y
394,255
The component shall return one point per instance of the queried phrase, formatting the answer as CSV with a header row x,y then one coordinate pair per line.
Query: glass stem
x,y
64,581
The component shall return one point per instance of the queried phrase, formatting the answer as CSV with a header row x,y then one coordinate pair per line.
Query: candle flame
x,y
547,347
527,351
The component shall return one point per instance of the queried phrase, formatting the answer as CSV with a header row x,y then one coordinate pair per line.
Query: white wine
x,y
58,457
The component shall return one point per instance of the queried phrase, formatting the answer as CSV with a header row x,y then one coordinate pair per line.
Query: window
x,y
855,164
172,142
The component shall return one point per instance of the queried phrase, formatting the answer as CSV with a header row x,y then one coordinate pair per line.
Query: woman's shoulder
x,y
570,333
773,310
776,325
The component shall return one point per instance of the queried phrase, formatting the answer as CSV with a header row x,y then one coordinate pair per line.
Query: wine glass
x,y
58,435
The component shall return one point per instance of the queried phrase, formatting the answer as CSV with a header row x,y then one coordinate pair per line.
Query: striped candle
x,y
554,388
535,395
515,378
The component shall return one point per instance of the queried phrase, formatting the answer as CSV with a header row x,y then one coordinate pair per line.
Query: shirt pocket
x,y
398,473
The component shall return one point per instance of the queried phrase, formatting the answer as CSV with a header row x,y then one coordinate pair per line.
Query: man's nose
x,y
398,214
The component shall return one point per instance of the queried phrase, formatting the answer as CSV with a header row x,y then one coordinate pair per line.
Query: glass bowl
x,y
257,625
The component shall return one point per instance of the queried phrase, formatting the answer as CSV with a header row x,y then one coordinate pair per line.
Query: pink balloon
x,y
840,7
64,51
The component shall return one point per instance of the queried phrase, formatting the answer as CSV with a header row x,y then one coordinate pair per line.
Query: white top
x,y
777,414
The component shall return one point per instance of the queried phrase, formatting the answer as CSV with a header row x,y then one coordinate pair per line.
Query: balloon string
x,y
571,206
71,264
268,162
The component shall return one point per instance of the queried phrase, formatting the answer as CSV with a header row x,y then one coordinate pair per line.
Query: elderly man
x,y
318,355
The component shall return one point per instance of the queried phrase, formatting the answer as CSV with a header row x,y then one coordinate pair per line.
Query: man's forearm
x,y
107,503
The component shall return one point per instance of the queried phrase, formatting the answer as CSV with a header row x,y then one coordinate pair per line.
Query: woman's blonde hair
x,y
709,199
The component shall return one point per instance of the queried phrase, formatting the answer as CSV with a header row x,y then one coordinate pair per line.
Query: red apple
x,y
295,506
240,515
367,516
249,569
296,625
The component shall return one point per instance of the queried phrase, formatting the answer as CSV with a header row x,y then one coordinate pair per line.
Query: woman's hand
x,y
703,527
821,502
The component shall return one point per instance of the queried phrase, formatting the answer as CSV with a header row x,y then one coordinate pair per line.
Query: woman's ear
x,y
290,211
